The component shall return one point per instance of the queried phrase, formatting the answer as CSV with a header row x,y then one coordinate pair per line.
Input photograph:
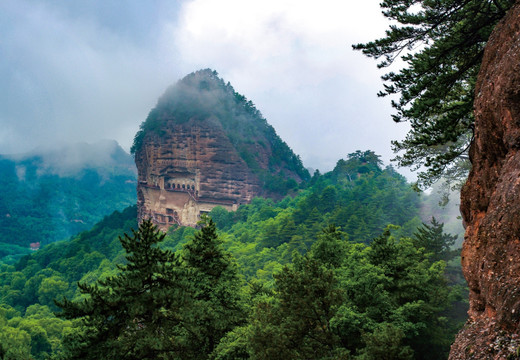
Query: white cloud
x,y
294,60
69,77
84,71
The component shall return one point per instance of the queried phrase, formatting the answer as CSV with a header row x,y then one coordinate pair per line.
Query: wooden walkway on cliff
x,y
193,195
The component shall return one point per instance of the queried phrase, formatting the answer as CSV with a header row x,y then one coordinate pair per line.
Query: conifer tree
x,y
215,305
441,43
435,241
135,314
330,247
295,324
417,296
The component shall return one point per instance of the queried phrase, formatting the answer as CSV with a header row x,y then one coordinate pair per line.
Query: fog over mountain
x,y
69,159
85,71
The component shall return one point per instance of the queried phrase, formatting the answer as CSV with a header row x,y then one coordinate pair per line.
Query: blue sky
x,y
89,70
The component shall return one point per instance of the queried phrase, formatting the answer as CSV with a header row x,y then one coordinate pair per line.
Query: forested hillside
x,y
50,195
319,275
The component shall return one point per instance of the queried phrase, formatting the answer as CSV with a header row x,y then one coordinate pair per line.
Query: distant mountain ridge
x,y
50,194
69,159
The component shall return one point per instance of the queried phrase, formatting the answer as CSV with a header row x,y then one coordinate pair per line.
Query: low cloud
x,y
295,62
93,70
72,76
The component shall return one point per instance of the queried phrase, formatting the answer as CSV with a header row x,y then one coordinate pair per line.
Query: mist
x,y
85,71
70,159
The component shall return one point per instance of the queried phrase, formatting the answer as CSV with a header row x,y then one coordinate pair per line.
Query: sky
x,y
86,70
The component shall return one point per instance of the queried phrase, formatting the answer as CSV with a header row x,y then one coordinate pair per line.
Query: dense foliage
x,y
358,195
343,300
203,96
276,280
41,204
160,305
28,327
441,44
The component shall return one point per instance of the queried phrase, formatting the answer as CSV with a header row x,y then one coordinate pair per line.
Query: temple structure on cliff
x,y
174,198
204,145
189,170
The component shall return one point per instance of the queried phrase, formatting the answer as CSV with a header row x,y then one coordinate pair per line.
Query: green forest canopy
x,y
276,249
41,205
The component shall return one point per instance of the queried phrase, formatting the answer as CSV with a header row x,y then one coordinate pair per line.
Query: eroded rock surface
x,y
204,145
490,204
190,169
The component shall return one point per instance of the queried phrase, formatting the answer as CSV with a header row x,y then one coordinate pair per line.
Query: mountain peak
x,y
204,137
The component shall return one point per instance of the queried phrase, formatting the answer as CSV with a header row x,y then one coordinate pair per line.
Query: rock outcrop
x,y
204,145
490,204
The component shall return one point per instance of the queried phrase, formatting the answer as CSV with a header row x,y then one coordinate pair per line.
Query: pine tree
x,y
135,314
435,241
295,324
216,305
330,247
417,295
441,43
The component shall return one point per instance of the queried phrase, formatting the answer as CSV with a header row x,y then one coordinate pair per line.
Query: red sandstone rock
x,y
193,155
188,170
490,204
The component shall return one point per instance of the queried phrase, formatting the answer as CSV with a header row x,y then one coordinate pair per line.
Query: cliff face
x,y
490,204
204,145
190,169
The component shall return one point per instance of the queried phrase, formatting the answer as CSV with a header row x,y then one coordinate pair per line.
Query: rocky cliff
x,y
205,145
490,204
